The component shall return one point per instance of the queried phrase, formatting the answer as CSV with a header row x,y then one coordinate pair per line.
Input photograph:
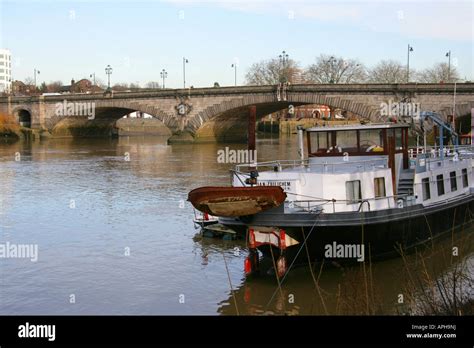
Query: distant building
x,y
81,86
5,71
20,88
303,111
312,111
138,114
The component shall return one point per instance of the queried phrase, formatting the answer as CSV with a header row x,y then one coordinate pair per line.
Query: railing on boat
x,y
432,155
331,205
431,160
325,167
313,205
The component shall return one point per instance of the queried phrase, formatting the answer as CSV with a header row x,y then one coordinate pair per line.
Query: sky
x,y
67,40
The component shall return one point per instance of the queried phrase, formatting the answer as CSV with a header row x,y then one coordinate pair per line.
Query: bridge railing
x,y
446,88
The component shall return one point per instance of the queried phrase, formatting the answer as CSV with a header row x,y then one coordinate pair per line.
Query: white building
x,y
5,70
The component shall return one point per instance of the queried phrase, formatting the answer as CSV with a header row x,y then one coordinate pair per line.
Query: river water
x,y
115,236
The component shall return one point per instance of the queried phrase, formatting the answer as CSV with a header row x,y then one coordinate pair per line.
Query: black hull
x,y
383,233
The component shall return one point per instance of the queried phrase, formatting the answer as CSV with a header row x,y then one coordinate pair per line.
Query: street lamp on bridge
x,y
332,61
36,72
108,71
185,61
164,75
234,65
283,65
410,49
92,76
283,57
449,65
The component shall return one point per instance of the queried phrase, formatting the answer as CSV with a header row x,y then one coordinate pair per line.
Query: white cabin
x,y
363,168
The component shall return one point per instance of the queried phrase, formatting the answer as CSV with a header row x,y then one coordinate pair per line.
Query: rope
x,y
289,268
316,284
277,278
230,282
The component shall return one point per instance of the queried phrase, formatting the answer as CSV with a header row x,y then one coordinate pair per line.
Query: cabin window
x,y
398,139
425,184
454,182
321,142
379,187
353,192
440,184
465,179
347,141
371,140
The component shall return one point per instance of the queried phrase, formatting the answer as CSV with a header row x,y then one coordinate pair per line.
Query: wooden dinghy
x,y
236,201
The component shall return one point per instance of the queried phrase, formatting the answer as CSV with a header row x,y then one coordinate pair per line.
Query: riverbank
x,y
8,127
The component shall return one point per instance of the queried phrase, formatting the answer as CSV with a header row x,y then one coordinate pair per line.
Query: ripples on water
x,y
137,206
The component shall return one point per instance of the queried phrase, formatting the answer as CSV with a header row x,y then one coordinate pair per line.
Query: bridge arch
x,y
462,109
268,103
116,109
23,115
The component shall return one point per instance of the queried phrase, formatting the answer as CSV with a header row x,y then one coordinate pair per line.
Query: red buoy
x,y
282,240
247,265
251,238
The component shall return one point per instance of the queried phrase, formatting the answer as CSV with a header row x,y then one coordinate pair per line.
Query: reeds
x,y
8,126
439,280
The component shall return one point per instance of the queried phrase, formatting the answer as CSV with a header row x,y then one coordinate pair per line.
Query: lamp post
x,y
185,61
284,64
449,65
92,76
234,65
164,75
108,71
36,72
410,49
332,60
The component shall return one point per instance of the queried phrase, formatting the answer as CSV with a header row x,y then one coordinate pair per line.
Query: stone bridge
x,y
220,114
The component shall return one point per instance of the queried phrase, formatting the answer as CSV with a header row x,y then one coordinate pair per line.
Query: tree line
x,y
332,69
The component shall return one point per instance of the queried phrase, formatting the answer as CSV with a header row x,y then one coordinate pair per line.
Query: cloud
x,y
450,20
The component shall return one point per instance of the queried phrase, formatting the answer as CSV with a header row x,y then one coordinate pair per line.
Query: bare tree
x,y
438,73
54,86
388,71
134,86
271,72
100,83
29,81
331,69
152,85
43,87
120,86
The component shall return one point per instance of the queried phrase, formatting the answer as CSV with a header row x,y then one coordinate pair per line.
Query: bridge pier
x,y
183,137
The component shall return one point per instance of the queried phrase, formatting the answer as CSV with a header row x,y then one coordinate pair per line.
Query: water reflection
x,y
130,195
358,291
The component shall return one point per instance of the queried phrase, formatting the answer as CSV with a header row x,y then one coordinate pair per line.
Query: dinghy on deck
x,y
236,201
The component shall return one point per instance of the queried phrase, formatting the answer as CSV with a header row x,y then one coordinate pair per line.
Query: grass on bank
x,y
8,126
